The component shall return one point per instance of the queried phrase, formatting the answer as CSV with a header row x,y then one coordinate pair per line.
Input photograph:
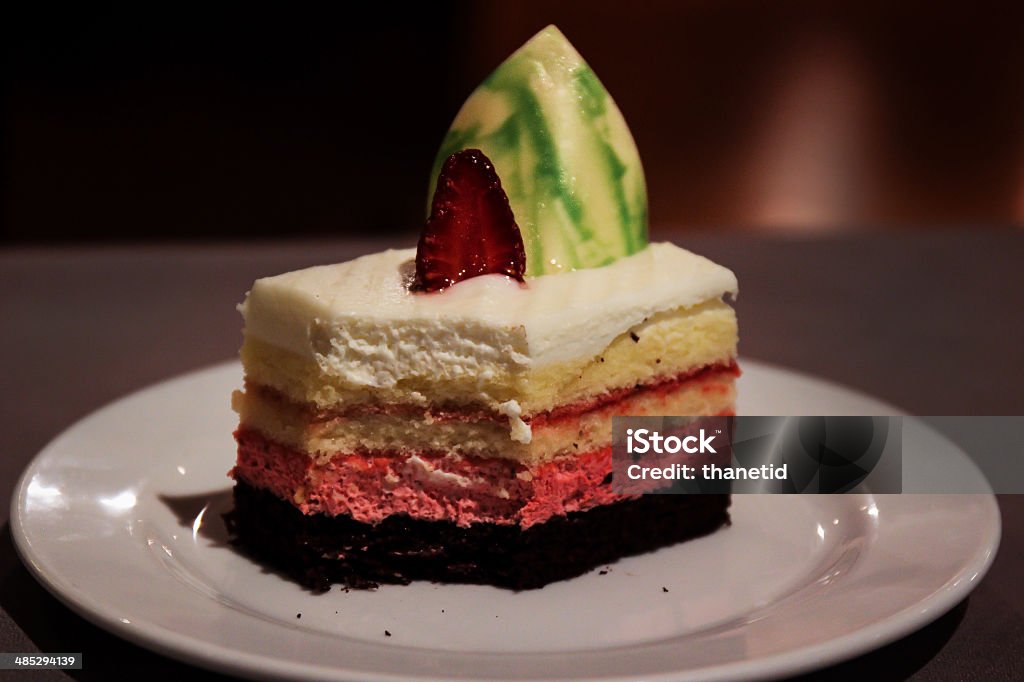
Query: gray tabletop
x,y
930,322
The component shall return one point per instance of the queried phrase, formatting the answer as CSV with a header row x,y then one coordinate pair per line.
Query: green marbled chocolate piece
x,y
564,155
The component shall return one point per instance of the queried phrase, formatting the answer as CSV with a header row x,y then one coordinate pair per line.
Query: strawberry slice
x,y
471,230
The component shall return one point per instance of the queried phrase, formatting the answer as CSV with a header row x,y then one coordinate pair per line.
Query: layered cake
x,y
444,412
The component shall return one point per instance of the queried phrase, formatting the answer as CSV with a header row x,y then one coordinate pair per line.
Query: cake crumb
x,y
634,336
387,633
602,572
576,445
442,610
298,615
657,361
664,589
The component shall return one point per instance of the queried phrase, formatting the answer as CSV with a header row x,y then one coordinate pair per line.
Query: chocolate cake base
x,y
318,550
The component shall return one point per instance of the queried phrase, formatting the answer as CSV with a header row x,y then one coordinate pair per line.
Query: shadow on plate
x,y
50,627
206,509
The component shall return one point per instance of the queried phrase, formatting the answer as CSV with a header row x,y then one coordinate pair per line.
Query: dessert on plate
x,y
444,412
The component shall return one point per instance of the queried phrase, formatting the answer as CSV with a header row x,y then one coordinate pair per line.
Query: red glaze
x,y
661,387
471,230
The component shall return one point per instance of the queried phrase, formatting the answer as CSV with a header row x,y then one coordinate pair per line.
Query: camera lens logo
x,y
831,454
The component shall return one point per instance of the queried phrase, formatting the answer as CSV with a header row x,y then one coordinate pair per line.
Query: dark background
x,y
234,125
138,123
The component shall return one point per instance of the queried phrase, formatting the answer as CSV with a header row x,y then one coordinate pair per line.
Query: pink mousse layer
x,y
370,488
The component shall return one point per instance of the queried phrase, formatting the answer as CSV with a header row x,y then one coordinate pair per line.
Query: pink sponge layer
x,y
370,488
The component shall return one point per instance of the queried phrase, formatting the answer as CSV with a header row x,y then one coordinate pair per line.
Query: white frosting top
x,y
359,320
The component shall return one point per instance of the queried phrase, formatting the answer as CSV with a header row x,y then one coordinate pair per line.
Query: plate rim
x,y
800,659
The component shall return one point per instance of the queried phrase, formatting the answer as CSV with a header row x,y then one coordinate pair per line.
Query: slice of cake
x,y
444,413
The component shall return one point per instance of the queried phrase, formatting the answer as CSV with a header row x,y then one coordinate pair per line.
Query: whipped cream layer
x,y
360,323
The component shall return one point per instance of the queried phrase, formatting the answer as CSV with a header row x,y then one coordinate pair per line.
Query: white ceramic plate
x,y
119,517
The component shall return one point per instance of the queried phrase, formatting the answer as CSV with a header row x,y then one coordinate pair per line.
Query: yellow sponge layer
x,y
663,346
411,431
